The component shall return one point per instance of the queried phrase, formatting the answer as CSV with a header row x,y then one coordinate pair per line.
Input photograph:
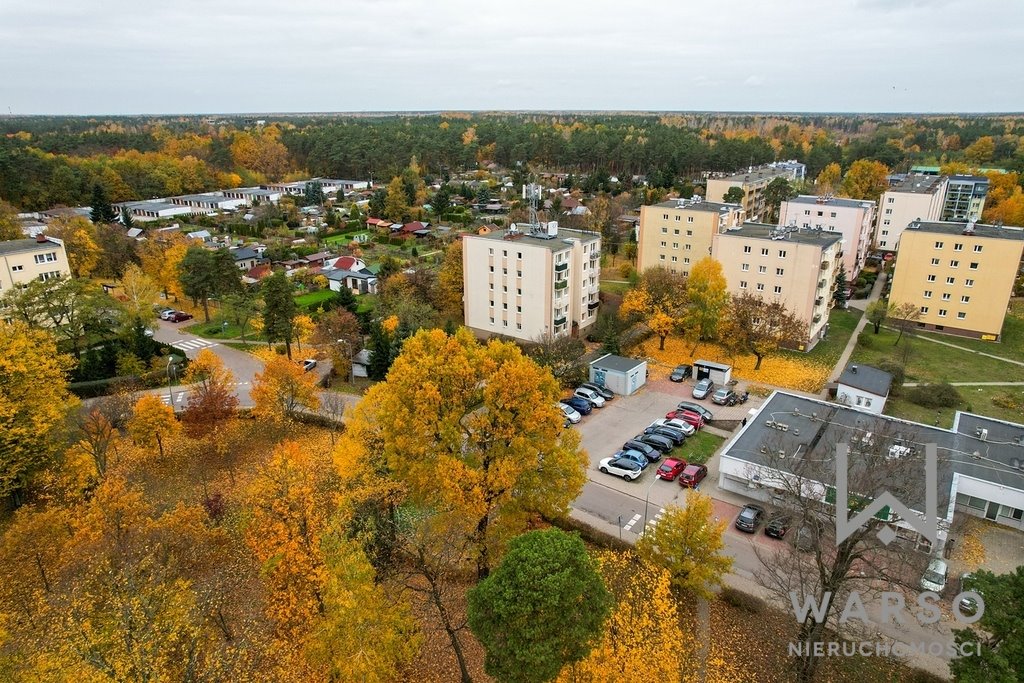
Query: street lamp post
x,y
170,393
647,501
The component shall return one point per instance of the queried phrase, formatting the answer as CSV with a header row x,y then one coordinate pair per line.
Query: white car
x,y
621,467
684,427
592,396
571,414
934,578
308,364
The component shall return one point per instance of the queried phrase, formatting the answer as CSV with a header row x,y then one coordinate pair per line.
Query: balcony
x,y
561,267
817,317
818,301
561,284
824,265
592,305
559,321
822,283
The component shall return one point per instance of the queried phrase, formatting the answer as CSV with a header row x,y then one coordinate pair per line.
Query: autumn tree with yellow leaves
x,y
707,299
865,179
282,388
211,398
152,422
658,301
79,237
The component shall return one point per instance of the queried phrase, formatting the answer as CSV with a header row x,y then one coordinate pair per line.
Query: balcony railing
x,y
817,317
592,305
560,321
561,284
824,265
561,267
822,283
818,301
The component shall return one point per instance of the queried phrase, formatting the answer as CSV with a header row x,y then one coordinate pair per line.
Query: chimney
x,y
41,238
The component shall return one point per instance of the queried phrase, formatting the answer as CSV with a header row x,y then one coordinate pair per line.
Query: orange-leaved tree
x,y
152,422
282,388
865,179
211,398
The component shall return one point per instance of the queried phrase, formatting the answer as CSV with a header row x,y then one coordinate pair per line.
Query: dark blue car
x,y
580,404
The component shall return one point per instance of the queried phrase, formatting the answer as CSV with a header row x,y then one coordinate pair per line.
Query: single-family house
x,y
351,273
864,388
316,259
245,258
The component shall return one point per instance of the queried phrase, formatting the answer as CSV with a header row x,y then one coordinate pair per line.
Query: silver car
x,y
703,388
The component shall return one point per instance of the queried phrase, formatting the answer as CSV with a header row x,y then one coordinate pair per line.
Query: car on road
x,y
636,456
570,413
702,389
595,399
968,605
685,428
620,467
778,526
724,397
308,364
692,475
934,577
750,518
649,451
162,311
604,392
674,435
663,444
688,417
178,317
582,405
681,372
670,469
696,408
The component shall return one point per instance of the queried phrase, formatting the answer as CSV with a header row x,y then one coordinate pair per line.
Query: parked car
x,y
163,311
808,535
178,317
663,444
724,397
620,467
778,526
689,417
636,456
582,405
968,605
604,392
692,475
934,577
570,413
595,399
702,388
685,428
749,518
308,364
670,469
681,372
674,435
649,451
697,408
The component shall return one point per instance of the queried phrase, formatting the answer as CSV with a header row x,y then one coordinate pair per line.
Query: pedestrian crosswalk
x,y
651,522
194,344
179,398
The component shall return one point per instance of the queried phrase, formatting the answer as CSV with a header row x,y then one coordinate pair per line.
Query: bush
x,y
935,396
625,270
865,341
898,372
280,349
759,391
740,600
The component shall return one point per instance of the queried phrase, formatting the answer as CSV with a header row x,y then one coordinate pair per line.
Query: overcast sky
x,y
193,56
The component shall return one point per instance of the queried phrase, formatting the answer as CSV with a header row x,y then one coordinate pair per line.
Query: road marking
x,y
193,344
629,525
657,518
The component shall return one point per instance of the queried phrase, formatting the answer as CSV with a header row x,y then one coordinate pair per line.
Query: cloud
x,y
753,81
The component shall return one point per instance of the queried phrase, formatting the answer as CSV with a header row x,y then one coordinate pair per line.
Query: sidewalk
x,y
876,292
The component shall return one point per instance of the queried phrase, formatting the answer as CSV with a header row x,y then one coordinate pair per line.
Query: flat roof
x,y
1005,232
554,243
617,363
205,197
764,231
866,378
968,178
15,246
756,174
153,206
832,201
712,364
919,184
683,204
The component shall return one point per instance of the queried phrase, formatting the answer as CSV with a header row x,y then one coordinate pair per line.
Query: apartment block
x,y
753,183
796,267
678,233
965,198
915,198
531,283
853,219
22,261
960,276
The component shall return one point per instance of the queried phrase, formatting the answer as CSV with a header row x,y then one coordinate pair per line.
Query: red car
x,y
179,316
670,469
689,417
692,475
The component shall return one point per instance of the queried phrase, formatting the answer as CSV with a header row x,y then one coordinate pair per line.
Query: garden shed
x,y
621,375
718,373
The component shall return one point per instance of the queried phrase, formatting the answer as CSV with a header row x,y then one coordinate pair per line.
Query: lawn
x,y
841,324
215,329
312,299
366,302
699,448
1012,341
619,288
1002,403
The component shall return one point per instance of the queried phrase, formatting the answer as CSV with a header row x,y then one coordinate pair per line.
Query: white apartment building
x,y
916,198
851,218
533,283
22,261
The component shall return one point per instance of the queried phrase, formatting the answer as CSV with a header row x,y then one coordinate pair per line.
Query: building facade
x,y
852,218
965,198
960,276
22,261
916,198
795,267
753,183
678,233
530,285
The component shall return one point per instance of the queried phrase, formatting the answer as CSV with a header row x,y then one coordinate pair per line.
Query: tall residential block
x,y
960,276
531,284
678,233
22,261
916,198
753,183
965,198
796,267
852,219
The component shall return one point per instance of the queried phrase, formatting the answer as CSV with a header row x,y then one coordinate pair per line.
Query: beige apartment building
x,y
796,267
916,198
678,233
531,283
853,219
753,184
22,261
960,276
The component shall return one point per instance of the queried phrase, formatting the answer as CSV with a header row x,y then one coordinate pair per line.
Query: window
x,y
779,271
762,269
778,289
764,252
974,265
519,292
954,264
490,251
664,216
505,306
760,287
885,232
48,257
675,245
833,214
492,269
674,259
492,303
938,245
977,248
17,269
504,271
745,267
891,200
678,218
958,246
924,310
664,244
664,231
971,501
950,280
676,231
519,309
661,257
968,283
965,299
821,213
519,326
686,259
504,252
743,284
961,315
927,294
945,296
689,233
807,212
504,323
935,261
888,212
492,320
942,312
491,287
52,275
746,250
519,254
886,222
519,273
686,247
931,278
689,219
782,253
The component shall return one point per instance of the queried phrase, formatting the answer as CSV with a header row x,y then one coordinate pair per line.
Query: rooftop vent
x,y
853,369
41,238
